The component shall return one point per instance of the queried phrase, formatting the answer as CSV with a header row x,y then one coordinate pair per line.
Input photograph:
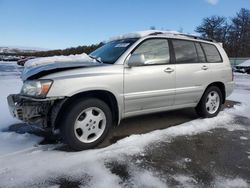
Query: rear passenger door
x,y
192,71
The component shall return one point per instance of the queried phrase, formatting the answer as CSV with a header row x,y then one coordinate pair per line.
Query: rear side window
x,y
200,53
212,53
185,51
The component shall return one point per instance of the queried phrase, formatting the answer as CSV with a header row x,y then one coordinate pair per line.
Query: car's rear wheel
x,y
210,103
86,124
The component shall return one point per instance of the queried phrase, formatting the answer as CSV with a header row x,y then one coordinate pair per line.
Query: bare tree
x,y
239,34
235,35
214,27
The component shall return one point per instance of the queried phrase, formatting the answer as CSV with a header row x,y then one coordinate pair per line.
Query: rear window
x,y
212,53
185,51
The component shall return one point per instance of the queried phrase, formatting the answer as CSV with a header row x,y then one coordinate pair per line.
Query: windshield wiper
x,y
96,58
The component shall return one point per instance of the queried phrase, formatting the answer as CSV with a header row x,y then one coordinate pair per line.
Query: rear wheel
x,y
86,124
210,103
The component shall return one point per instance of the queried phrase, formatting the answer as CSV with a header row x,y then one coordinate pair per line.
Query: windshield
x,y
111,51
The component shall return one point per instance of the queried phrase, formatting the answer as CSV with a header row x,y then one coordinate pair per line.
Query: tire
x,y
210,103
86,124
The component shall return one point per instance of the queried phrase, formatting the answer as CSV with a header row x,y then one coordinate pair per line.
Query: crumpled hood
x,y
43,66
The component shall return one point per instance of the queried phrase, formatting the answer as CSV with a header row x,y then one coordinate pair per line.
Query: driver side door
x,y
150,86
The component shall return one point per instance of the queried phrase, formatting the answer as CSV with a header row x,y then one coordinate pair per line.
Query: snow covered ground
x,y
203,152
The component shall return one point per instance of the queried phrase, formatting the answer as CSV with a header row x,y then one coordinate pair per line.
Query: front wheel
x,y
86,124
210,103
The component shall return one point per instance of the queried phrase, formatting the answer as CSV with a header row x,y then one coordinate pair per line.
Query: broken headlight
x,y
36,88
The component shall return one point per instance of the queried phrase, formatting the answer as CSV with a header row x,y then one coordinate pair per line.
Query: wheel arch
x,y
108,97
222,88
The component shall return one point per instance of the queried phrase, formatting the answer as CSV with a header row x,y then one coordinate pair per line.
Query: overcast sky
x,y
66,23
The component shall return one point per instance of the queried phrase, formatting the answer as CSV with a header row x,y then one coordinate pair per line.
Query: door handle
x,y
169,70
204,67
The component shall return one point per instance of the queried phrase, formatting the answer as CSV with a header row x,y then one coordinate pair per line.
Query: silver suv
x,y
134,74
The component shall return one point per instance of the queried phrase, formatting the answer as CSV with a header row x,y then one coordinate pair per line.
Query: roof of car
x,y
175,34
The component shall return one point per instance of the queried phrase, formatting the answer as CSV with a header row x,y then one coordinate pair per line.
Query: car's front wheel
x,y
86,124
210,103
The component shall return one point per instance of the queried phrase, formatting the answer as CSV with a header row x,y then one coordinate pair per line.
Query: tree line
x,y
68,51
233,32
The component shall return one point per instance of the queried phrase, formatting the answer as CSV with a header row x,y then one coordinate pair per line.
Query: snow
x,y
245,64
243,138
231,183
187,160
221,182
140,34
10,141
9,84
58,59
11,69
146,179
48,161
23,162
241,95
15,49
186,181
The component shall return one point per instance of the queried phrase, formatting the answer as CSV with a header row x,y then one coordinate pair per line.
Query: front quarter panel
x,y
69,83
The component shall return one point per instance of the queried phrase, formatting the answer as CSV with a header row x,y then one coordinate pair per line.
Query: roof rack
x,y
141,34
197,37
183,34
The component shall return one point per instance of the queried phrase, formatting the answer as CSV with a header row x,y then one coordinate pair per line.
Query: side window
x,y
212,53
185,51
201,55
155,51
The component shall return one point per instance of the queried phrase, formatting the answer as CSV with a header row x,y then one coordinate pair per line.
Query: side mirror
x,y
136,60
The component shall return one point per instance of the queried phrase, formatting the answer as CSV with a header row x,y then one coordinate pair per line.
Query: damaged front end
x,y
34,111
32,105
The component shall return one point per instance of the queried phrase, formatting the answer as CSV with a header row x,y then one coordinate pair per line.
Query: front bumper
x,y
29,110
